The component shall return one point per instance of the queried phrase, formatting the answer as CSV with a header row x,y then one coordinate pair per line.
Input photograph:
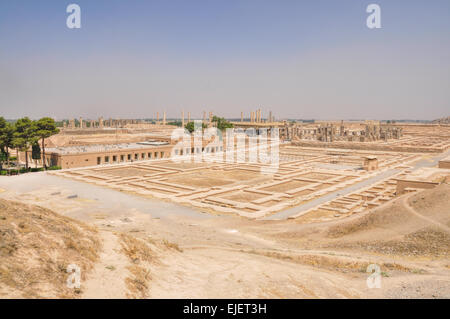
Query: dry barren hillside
x,y
416,225
36,246
127,255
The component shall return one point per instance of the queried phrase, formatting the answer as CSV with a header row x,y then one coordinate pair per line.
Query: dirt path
x,y
107,280
216,273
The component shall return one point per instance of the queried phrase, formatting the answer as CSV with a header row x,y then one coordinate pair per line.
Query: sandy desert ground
x,y
130,247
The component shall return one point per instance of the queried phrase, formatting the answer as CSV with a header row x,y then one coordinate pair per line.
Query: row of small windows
x,y
130,157
194,150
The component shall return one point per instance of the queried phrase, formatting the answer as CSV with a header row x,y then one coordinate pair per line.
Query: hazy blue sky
x,y
300,59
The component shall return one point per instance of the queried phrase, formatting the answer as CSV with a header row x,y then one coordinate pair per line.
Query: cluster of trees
x,y
24,134
175,123
191,126
222,123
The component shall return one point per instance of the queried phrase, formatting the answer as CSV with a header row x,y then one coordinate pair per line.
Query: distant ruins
x,y
444,120
331,133
101,123
327,132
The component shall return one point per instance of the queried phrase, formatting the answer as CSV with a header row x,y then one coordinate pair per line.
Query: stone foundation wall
x,y
371,146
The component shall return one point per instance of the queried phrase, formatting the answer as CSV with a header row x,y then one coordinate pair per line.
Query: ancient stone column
x,y
164,118
182,118
242,116
189,117
81,122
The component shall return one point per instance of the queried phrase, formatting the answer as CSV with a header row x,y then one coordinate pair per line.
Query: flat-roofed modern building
x,y
91,155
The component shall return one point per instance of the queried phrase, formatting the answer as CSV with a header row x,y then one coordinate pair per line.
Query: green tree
x,y
36,152
6,139
24,136
175,123
3,152
4,143
45,127
222,123
191,126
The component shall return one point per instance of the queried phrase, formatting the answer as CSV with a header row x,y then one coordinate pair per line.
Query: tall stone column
x,y
182,118
164,118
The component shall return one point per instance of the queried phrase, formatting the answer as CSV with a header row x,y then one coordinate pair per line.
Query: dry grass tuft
x,y
135,249
171,245
137,283
141,255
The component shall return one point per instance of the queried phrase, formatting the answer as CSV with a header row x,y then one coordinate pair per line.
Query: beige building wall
x,y
114,157
110,157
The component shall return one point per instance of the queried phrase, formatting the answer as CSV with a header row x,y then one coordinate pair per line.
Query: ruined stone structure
x,y
445,163
370,163
330,132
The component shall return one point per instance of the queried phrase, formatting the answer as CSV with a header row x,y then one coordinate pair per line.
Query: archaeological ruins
x,y
324,170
